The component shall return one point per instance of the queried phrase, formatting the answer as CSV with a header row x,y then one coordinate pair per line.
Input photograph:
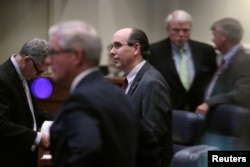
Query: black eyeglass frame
x,y
35,66
118,45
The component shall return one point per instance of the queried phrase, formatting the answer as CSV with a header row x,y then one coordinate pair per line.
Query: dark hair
x,y
138,36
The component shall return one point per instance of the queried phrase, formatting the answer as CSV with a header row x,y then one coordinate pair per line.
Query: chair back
x,y
186,129
225,127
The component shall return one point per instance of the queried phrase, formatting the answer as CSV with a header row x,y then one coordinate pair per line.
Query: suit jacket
x,y
97,126
204,58
233,84
150,94
16,123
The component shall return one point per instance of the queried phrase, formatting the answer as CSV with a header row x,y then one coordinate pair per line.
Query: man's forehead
x,y
122,35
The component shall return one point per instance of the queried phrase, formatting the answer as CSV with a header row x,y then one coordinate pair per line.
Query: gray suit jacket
x,y
233,84
150,94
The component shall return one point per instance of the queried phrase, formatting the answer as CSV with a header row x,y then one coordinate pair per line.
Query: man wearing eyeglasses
x,y
149,92
19,117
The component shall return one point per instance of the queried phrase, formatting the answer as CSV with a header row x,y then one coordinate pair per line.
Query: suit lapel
x,y
138,78
12,73
196,57
234,60
170,62
16,83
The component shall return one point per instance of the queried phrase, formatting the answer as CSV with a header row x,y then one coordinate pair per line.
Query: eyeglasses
x,y
53,52
118,45
35,66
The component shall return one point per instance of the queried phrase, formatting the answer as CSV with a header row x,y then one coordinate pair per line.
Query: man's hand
x,y
202,109
44,143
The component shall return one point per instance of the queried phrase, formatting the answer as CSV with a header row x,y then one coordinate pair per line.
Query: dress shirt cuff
x,y
38,138
36,142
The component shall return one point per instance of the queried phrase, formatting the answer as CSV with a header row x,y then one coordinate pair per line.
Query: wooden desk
x,y
42,160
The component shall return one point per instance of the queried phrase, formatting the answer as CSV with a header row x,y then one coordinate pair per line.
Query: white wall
x,y
106,15
205,12
22,20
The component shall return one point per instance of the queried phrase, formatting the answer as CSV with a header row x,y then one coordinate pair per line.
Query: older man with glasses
x,y
19,117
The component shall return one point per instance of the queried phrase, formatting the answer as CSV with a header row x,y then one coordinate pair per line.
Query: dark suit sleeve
x,y
16,133
156,108
83,139
157,115
148,147
43,115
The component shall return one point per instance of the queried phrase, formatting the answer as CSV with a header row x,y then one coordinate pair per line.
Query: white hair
x,y
78,34
179,16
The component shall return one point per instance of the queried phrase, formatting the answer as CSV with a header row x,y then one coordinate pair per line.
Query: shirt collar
x,y
131,75
228,56
13,60
80,76
175,48
185,49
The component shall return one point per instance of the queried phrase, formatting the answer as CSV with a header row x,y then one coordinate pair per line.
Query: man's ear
x,y
25,59
223,37
137,47
79,56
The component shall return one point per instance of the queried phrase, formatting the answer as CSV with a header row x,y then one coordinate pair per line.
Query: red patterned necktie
x,y
214,80
125,85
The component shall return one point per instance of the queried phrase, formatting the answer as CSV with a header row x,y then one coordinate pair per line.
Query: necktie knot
x,y
220,67
125,84
222,62
182,52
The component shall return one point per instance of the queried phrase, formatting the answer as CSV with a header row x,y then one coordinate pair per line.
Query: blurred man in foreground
x,y
97,125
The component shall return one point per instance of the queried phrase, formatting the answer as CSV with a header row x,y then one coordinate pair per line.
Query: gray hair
x,y
179,16
78,34
36,48
230,27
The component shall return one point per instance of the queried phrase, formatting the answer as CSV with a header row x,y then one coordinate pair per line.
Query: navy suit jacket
x,y
16,123
97,126
204,58
150,94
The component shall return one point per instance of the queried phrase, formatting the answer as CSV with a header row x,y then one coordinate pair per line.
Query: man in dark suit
x,y
231,83
148,90
97,125
19,117
200,59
